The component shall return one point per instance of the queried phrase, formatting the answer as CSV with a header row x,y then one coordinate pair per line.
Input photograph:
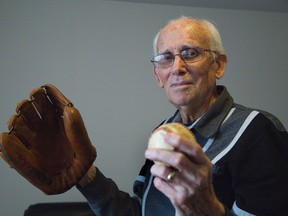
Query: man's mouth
x,y
180,84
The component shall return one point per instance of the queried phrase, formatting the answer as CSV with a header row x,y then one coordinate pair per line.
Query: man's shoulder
x,y
263,115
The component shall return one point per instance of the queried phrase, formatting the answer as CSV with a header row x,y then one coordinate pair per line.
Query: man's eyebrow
x,y
164,52
186,46
182,47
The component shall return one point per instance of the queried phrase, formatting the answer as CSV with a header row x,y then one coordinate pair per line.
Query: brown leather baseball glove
x,y
47,142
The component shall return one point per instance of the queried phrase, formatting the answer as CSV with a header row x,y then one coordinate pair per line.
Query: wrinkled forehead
x,y
185,32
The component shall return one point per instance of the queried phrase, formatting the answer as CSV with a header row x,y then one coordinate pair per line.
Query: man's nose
x,y
178,66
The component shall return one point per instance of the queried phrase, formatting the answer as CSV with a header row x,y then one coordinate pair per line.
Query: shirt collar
x,y
208,124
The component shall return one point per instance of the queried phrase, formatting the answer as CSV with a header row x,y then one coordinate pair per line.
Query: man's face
x,y
189,84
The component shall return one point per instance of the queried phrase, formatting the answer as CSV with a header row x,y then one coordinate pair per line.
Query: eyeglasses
x,y
189,55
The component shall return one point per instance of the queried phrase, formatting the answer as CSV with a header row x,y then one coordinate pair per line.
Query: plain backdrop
x,y
98,54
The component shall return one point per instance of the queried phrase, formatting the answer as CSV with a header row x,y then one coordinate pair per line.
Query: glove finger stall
x,y
44,107
56,97
77,133
30,114
18,127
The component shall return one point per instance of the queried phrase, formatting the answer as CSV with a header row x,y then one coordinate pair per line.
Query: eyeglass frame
x,y
200,51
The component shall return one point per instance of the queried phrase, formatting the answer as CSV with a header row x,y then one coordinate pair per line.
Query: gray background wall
x,y
97,53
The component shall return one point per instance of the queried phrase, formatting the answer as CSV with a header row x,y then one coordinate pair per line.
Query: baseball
x,y
156,139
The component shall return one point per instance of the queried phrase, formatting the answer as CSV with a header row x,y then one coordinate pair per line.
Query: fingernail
x,y
147,153
172,138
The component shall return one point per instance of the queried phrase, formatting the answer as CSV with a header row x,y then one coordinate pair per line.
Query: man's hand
x,y
187,180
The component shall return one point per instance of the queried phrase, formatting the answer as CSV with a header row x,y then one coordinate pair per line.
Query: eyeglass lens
x,y
188,55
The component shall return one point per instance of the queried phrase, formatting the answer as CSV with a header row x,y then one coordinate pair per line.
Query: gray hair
x,y
213,34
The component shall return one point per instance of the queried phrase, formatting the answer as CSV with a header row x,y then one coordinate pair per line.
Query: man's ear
x,y
158,79
221,60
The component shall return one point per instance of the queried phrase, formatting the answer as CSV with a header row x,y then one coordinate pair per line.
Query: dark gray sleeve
x,y
105,199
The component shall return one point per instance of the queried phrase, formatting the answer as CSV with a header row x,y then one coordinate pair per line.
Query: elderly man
x,y
238,165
